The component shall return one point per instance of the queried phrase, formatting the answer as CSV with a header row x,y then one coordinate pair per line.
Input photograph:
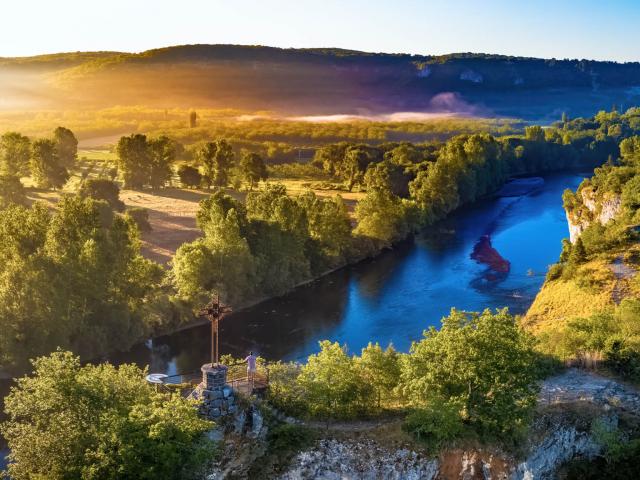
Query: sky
x,y
593,29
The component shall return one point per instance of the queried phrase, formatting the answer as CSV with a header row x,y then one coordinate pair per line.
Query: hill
x,y
317,81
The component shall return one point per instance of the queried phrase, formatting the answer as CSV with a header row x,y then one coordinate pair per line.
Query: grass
x,y
561,300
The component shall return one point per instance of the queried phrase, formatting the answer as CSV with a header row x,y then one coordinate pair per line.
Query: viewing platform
x,y
236,378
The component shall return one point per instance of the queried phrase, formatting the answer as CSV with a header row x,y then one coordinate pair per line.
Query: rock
x,y
603,210
366,460
239,422
563,444
257,422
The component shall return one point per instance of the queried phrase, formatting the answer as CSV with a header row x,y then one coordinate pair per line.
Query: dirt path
x,y
622,273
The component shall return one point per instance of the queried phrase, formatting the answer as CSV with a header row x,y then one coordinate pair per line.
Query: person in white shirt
x,y
251,368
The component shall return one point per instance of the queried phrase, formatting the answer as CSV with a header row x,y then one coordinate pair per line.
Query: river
x,y
394,297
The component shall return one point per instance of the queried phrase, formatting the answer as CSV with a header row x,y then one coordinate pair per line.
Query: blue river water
x,y
396,296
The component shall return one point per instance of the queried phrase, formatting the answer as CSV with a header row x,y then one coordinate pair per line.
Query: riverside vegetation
x,y
81,266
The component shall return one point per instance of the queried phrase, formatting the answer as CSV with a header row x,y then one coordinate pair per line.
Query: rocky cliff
x,y
588,208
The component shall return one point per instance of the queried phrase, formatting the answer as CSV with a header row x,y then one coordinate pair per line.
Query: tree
x,y
381,216
66,146
329,225
189,176
354,165
193,119
222,163
80,266
100,422
534,133
331,383
205,155
389,176
11,191
162,154
578,253
15,153
483,363
46,166
102,189
134,160
220,262
252,168
380,369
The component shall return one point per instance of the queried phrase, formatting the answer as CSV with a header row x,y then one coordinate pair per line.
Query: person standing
x,y
251,368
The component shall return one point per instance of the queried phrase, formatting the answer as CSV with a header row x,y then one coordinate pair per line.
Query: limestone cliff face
x,y
591,209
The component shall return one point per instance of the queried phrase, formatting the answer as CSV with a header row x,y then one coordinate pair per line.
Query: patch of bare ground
x,y
172,215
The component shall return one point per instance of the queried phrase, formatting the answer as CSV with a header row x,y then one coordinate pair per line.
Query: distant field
x,y
172,211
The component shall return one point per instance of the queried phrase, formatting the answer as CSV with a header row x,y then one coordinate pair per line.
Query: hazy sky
x,y
595,29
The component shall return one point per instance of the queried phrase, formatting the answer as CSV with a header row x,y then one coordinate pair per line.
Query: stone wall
x,y
218,399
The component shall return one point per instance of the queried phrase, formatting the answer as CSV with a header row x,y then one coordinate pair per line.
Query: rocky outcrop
x,y
365,460
557,448
591,210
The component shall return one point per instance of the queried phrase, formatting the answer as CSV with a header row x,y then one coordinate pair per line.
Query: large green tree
x,y
66,146
134,160
47,168
69,421
74,279
15,153
252,168
483,364
162,155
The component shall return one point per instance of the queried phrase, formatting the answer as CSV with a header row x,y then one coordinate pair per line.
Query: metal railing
x,y
237,377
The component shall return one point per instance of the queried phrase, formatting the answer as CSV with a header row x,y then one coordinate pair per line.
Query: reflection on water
x,y
394,297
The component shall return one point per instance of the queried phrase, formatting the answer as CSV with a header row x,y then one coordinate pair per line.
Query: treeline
x,y
475,377
261,247
150,162
407,187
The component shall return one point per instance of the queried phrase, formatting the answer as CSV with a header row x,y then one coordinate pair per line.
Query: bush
x,y
102,189
289,437
190,177
554,272
141,218
436,424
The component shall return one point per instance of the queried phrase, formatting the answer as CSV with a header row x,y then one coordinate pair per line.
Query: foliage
x,y
15,152
80,266
102,189
483,363
11,191
47,167
331,383
99,422
190,177
435,424
140,217
252,168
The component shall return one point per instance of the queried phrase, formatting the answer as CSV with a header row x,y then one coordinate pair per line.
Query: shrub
x,y
102,189
141,218
435,424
